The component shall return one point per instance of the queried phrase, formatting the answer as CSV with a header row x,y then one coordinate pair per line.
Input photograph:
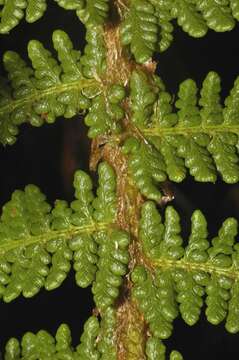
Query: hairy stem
x,y
131,331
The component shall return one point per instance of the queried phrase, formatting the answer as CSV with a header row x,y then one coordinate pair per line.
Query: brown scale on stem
x,y
131,330
119,67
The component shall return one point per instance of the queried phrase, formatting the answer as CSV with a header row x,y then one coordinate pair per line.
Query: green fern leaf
x,y
143,96
156,350
107,337
105,202
95,12
156,302
188,114
38,245
164,17
44,346
235,8
51,90
96,342
93,60
217,15
87,349
175,355
71,72
90,12
154,19
183,276
104,115
201,136
139,30
112,265
13,11
211,112
146,167
35,9
71,4
188,18
230,112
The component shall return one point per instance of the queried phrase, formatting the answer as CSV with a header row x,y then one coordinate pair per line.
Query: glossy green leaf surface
x,y
39,245
154,19
90,12
43,93
184,276
64,88
201,135
146,167
96,342
13,11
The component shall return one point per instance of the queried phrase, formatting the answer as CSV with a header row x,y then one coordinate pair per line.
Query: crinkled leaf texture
x,y
39,245
13,11
96,342
90,12
185,277
147,25
63,88
201,135
176,280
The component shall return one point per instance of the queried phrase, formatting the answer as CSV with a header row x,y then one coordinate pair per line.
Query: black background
x,y
42,155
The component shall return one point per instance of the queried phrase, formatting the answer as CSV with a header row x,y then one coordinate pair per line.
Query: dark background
x,y
47,157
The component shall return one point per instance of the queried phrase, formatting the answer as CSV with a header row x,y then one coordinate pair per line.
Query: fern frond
x,y
55,89
49,91
87,349
114,258
38,245
189,18
41,346
12,12
96,342
93,60
113,245
146,167
211,111
201,136
147,26
235,8
217,15
182,276
106,112
143,97
139,30
65,88
156,350
107,336
164,18
90,12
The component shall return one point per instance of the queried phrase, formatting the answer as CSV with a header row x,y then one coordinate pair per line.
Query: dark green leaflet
x,y
14,10
96,342
201,136
38,245
184,275
90,12
51,90
154,19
